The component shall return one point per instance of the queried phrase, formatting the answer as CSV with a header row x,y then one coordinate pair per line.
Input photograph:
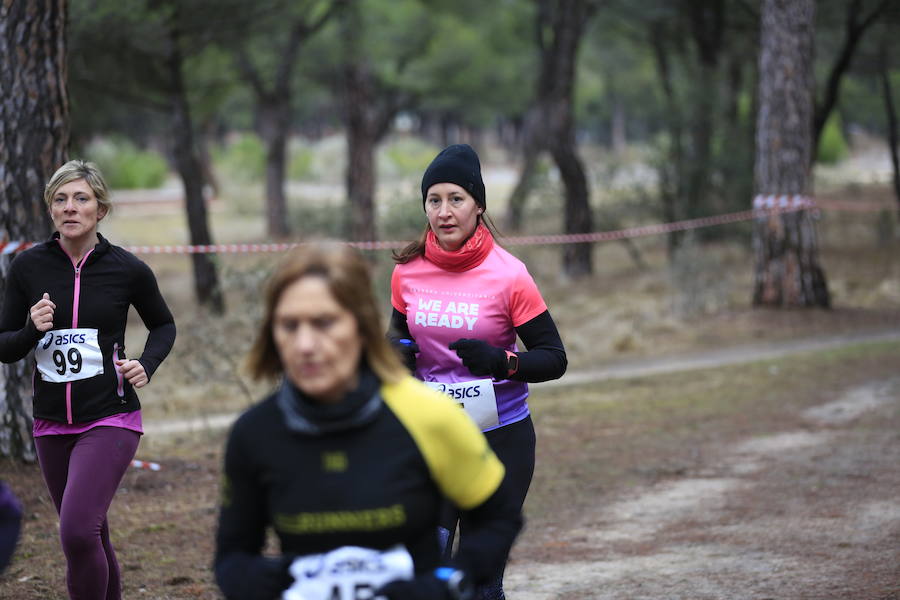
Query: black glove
x,y
429,587
481,358
407,349
261,577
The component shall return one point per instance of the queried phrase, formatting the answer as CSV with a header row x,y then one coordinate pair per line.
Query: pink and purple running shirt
x,y
486,302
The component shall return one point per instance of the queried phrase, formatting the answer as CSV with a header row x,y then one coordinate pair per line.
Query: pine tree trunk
x,y
618,135
893,131
787,270
360,179
34,135
569,29
362,118
516,203
550,126
273,126
698,161
576,258
206,280
671,181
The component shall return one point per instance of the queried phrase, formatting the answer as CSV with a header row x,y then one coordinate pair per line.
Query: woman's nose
x,y
305,338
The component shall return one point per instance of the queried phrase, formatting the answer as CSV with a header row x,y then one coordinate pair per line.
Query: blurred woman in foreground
x,y
350,459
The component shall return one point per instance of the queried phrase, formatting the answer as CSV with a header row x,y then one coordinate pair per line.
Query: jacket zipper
x,y
76,296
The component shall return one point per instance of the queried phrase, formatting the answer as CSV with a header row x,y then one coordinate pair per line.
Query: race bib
x,y
476,397
68,355
348,573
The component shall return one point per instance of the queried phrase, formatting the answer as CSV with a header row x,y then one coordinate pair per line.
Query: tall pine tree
x,y
34,135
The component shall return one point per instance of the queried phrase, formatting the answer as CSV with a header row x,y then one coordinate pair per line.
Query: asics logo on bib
x,y
66,338
347,573
374,565
460,393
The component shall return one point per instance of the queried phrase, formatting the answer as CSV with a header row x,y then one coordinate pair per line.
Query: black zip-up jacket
x,y
107,281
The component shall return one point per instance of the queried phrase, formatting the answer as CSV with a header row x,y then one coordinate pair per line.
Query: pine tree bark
x,y
893,130
273,124
206,280
572,16
360,117
787,270
34,135
550,126
858,21
273,112
368,110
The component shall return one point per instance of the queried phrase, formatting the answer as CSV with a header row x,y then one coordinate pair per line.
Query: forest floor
x,y
803,503
764,478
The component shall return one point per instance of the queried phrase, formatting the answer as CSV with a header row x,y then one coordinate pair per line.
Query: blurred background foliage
x,y
288,98
462,72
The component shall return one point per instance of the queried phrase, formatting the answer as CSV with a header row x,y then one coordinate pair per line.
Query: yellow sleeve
x,y
462,464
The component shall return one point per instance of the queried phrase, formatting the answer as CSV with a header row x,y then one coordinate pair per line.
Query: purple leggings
x,y
82,472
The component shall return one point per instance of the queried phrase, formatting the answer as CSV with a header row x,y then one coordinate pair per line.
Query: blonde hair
x,y
74,170
346,273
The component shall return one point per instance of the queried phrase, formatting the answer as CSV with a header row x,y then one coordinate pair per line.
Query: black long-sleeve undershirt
x,y
545,358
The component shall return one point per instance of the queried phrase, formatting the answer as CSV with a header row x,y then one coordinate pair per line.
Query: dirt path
x,y
642,367
720,357
810,513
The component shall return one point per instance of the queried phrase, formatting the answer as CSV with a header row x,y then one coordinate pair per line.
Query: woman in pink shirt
x,y
459,302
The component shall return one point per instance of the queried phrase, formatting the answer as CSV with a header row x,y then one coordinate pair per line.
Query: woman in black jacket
x,y
68,299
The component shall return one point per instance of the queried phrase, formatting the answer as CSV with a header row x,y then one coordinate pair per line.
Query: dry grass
x,y
595,442
702,300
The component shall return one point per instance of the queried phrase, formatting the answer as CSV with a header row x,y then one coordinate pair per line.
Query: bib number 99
x,y
71,361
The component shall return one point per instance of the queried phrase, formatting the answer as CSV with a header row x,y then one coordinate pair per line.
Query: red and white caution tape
x,y
143,464
783,202
575,238
763,205
210,249
13,247
250,248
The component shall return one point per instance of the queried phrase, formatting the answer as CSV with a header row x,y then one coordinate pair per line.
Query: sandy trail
x,y
811,513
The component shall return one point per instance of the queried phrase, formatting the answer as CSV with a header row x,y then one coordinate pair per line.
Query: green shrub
x,y
405,157
242,158
125,166
832,144
300,165
317,222
401,217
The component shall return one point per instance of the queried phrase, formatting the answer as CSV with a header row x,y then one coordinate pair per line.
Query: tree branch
x,y
853,31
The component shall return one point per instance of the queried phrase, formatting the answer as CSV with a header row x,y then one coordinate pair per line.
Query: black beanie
x,y
456,164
